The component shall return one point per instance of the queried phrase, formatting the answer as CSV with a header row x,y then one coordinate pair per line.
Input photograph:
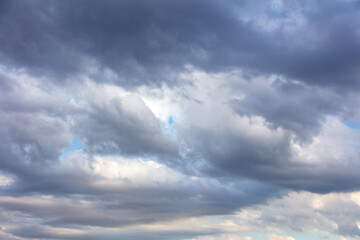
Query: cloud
x,y
5,181
222,237
120,122
140,48
290,149
277,237
196,119
333,213
121,197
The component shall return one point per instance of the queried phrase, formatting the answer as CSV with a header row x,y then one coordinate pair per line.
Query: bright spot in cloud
x,y
278,237
5,181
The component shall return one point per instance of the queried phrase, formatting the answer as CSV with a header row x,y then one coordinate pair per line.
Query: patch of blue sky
x,y
150,159
75,145
353,126
3,68
170,120
78,102
168,126
275,6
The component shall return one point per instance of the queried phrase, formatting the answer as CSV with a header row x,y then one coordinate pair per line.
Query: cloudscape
x,y
179,120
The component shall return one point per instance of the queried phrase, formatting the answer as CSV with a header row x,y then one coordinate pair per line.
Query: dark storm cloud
x,y
146,41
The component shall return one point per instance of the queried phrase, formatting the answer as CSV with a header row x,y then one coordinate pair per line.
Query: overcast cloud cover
x,y
180,120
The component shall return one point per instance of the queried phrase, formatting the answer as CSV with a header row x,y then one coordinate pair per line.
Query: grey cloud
x,y
138,40
331,213
108,118
281,114
232,154
293,106
91,204
272,163
123,125
31,232
72,69
35,122
40,119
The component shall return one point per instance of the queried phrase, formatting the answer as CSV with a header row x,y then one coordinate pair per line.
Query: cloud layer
x,y
179,119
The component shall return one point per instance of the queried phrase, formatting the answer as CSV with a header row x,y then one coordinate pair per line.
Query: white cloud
x,y
5,181
335,145
278,237
135,170
304,211
221,237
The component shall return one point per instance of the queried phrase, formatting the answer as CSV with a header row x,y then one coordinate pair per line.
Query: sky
x,y
180,120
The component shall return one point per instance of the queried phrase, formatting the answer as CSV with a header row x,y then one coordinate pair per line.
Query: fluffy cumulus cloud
x,y
179,120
